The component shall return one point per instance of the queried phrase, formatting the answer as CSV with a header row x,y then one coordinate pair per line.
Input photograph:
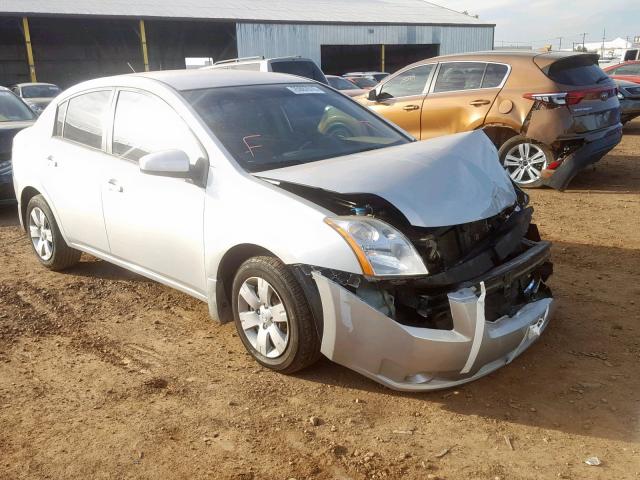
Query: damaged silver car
x,y
315,225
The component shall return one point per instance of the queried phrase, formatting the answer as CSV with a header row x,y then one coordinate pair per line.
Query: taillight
x,y
574,97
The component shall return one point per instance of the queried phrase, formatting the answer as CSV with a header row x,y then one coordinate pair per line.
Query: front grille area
x,y
448,246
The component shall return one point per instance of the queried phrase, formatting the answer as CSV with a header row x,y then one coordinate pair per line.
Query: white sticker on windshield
x,y
305,89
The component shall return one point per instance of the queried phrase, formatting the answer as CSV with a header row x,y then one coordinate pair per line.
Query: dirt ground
x,y
104,374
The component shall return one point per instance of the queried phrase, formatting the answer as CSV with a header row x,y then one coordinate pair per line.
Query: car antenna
x,y
132,69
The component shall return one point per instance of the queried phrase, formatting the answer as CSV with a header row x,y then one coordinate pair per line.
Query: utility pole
x,y
604,36
583,35
560,45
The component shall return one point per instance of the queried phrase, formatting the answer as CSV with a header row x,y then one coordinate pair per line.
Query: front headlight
x,y
620,96
382,251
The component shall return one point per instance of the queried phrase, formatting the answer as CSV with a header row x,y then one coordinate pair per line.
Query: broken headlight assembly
x,y
381,250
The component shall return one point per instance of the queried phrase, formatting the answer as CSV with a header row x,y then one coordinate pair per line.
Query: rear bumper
x,y
596,147
420,359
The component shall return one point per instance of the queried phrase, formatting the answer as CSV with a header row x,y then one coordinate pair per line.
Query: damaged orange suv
x,y
549,114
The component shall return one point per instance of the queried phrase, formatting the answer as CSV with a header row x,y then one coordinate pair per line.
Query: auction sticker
x,y
305,89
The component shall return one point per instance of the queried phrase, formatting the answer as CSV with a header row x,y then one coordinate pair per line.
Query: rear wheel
x,y
524,160
46,239
272,316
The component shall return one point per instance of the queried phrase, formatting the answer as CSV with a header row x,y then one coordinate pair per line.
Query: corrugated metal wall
x,y
276,40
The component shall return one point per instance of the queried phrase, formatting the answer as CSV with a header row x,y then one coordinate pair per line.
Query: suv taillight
x,y
574,97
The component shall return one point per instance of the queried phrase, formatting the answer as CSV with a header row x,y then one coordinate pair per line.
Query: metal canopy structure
x,y
406,12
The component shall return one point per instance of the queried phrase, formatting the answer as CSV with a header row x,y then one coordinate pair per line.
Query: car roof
x,y
190,79
28,84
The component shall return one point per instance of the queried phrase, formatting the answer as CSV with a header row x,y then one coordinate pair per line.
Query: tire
x,y
285,342
524,160
47,242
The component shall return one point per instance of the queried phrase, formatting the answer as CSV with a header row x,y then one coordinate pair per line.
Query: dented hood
x,y
445,181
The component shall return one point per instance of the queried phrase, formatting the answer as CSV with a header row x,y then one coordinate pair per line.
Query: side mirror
x,y
373,95
166,163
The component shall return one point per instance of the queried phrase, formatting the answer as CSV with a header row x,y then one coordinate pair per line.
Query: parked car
x,y
302,67
14,116
36,95
345,86
413,263
375,76
550,114
365,83
629,71
629,96
631,53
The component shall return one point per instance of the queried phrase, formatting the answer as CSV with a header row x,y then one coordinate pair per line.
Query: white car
x,y
300,66
315,225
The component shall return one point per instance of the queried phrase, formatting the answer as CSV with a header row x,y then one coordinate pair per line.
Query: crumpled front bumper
x,y
419,359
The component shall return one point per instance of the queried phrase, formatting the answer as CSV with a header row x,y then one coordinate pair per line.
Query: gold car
x,y
549,114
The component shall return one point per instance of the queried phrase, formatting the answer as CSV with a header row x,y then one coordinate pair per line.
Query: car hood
x,y
8,130
445,181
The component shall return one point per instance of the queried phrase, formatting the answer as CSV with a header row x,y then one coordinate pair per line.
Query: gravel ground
x,y
104,374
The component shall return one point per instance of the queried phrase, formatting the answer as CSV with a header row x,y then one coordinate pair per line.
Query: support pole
x,y
143,41
382,58
27,41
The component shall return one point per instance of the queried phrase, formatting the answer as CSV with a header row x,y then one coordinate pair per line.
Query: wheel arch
x,y
499,134
220,298
219,291
25,196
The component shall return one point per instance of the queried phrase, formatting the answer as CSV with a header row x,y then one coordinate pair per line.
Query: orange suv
x,y
549,114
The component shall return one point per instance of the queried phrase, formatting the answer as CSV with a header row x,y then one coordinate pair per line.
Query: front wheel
x,y
524,160
272,316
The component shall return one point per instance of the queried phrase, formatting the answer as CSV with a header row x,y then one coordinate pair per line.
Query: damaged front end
x,y
483,301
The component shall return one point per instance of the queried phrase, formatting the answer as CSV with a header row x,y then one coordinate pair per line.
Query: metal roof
x,y
408,12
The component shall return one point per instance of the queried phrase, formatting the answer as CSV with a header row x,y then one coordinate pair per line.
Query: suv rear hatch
x,y
590,93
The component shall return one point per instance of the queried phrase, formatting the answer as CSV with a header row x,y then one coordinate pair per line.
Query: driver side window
x,y
407,84
145,124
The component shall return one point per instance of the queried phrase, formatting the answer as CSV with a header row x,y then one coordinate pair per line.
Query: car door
x,y
73,166
461,96
153,222
400,98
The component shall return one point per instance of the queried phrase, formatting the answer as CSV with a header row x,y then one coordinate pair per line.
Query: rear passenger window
x,y
62,109
406,84
84,121
459,76
145,124
493,75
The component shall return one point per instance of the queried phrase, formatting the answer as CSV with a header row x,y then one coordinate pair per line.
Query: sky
x,y
541,22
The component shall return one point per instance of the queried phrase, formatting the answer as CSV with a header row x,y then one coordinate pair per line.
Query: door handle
x,y
478,103
51,161
113,186
409,108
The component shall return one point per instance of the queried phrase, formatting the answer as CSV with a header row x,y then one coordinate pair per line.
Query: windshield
x,y
39,91
341,84
363,82
273,126
12,109
301,68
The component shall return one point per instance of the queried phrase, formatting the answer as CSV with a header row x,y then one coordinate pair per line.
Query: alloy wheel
x,y
524,163
41,234
263,317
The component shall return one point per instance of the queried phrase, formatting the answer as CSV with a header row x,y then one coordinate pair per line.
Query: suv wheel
x,y
272,316
524,160
46,239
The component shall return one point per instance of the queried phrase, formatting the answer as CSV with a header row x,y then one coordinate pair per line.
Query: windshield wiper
x,y
601,79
